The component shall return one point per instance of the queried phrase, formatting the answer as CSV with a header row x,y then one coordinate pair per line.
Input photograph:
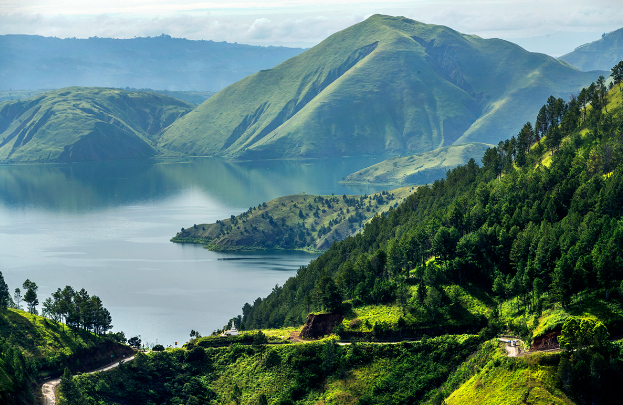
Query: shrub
x,y
158,348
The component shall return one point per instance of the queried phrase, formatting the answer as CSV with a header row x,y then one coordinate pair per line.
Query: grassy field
x,y
421,168
85,123
298,221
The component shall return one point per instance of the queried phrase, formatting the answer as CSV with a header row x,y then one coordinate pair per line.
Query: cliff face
x,y
320,325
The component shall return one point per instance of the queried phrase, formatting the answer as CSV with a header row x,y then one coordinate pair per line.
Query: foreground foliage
x,y
285,374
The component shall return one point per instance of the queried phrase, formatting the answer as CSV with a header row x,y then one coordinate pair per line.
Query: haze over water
x,y
106,226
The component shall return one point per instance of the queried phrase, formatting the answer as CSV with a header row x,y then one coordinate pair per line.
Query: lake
x,y
106,226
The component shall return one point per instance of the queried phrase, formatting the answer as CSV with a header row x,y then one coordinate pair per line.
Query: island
x,y
294,222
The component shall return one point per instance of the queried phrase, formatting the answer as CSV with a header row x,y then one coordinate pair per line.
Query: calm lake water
x,y
106,227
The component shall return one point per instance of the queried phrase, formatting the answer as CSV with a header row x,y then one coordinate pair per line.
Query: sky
x,y
550,26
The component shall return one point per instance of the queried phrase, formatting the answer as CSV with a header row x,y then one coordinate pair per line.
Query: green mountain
x,y
602,54
299,221
79,124
421,168
385,85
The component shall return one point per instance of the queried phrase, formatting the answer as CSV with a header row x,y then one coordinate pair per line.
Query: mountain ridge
x,y
386,85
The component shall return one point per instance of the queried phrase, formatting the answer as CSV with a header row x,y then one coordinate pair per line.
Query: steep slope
x,y
386,85
79,124
30,62
421,168
602,54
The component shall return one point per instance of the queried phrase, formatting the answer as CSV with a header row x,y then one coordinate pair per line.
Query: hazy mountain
x,y
421,168
385,85
29,62
78,124
602,54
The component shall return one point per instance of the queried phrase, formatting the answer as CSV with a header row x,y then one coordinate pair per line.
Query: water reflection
x,y
90,186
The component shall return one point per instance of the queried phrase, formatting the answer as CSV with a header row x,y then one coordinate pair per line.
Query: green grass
x,y
53,345
85,123
376,88
421,168
497,379
299,221
311,373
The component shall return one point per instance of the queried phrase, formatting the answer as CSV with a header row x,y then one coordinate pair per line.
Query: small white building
x,y
232,332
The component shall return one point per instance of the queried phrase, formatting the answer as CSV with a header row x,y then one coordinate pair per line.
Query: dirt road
x,y
47,389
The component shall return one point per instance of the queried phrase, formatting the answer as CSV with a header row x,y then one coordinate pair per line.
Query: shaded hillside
x,y
602,54
385,85
31,62
299,221
421,168
80,124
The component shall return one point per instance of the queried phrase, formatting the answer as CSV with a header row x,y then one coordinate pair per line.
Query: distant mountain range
x,y
31,62
388,85
83,124
602,54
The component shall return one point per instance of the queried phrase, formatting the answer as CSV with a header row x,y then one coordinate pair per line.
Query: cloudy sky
x,y
550,26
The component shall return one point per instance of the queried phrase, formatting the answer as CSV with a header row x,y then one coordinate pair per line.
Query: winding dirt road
x,y
47,389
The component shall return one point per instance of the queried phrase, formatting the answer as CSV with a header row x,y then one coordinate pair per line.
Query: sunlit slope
x,y
602,54
85,123
386,85
421,168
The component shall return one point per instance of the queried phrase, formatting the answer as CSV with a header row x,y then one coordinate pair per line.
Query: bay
x,y
106,226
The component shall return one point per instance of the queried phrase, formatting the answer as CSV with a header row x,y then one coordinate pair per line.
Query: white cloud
x,y
298,23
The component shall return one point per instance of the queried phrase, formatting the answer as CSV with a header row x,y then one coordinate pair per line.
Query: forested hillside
x,y
530,242
34,348
535,233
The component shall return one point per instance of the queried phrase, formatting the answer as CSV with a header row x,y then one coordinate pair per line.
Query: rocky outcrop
x,y
320,325
546,342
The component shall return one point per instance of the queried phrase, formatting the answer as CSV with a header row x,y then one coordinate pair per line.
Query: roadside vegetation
x,y
33,347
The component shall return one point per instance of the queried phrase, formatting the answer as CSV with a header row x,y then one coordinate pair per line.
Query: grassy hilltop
x,y
85,123
385,85
421,168
299,221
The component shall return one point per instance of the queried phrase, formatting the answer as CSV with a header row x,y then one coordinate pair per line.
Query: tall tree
x,y
5,295
31,296
17,297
